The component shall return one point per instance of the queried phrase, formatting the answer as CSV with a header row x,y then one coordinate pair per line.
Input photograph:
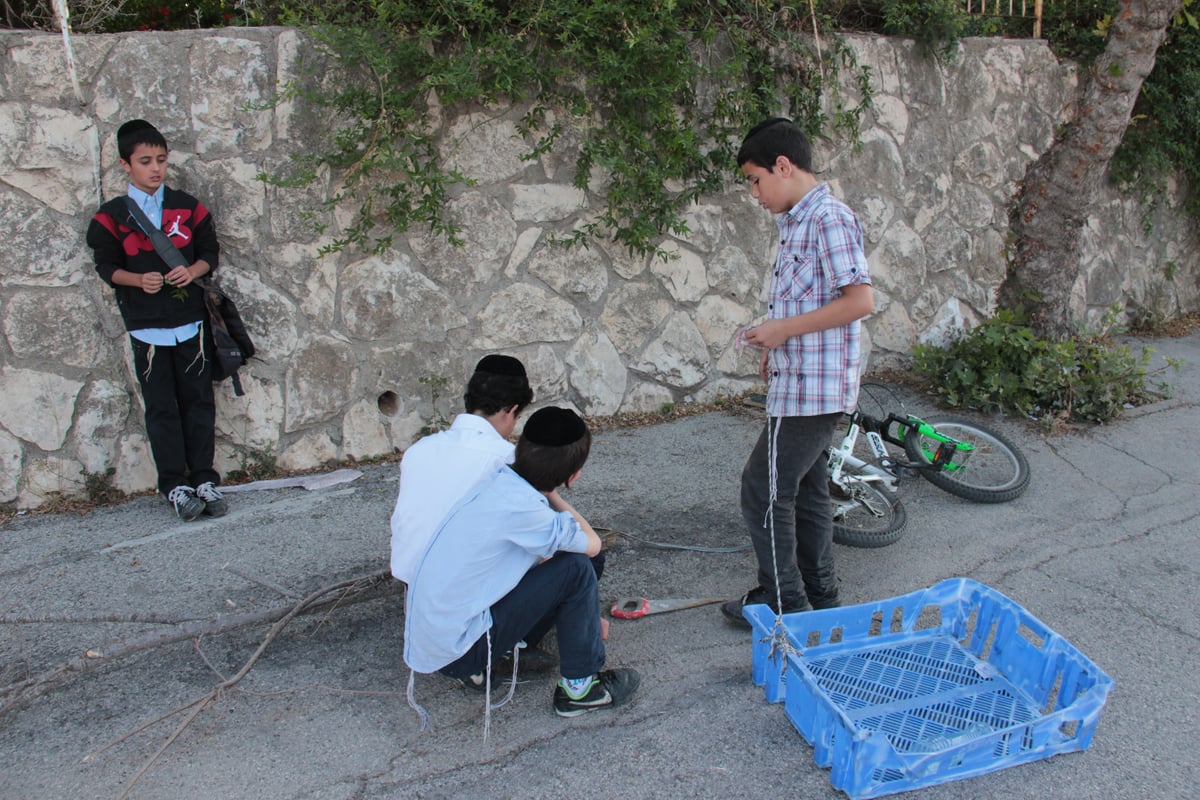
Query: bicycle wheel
x,y
867,516
994,472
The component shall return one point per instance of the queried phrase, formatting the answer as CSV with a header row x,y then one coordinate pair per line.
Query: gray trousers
x,y
803,512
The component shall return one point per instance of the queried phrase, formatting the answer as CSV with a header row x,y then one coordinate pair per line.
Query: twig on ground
x,y
354,585
263,582
21,693
132,619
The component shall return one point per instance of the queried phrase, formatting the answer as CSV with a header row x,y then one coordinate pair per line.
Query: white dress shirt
x,y
435,474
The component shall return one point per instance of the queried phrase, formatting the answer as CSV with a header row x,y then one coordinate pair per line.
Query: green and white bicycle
x,y
954,453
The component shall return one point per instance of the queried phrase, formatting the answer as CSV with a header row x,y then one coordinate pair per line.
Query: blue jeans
x,y
803,512
562,593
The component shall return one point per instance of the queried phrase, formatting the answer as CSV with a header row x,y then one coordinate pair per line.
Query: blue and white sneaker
x,y
607,689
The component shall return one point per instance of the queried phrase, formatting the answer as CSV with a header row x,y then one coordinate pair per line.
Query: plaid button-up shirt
x,y
820,251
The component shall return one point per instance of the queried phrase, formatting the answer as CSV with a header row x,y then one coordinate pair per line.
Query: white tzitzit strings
x,y
780,645
412,702
488,705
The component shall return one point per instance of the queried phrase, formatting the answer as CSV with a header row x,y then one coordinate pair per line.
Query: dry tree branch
x,y
70,619
356,590
355,586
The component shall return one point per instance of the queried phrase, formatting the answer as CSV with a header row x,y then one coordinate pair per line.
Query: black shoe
x,y
825,601
838,492
187,505
610,688
214,501
531,660
755,400
732,609
476,683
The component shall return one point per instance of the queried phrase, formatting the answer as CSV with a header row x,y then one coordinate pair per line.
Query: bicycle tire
x,y
996,471
860,526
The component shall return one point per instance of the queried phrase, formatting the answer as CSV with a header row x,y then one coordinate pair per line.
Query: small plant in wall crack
x,y
254,464
437,422
99,487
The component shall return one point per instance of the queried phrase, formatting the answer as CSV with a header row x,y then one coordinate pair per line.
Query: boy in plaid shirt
x,y
820,289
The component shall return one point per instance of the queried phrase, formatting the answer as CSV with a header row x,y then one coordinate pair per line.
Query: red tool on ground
x,y
638,607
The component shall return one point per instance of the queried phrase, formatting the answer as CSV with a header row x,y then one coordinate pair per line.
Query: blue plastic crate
x,y
944,683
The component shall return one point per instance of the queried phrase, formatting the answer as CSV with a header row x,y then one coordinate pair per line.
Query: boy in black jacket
x,y
163,310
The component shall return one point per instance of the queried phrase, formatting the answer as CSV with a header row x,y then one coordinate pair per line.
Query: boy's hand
x,y
768,335
179,277
152,282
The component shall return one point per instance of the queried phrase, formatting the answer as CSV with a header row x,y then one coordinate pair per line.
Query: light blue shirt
x,y
435,474
481,551
152,204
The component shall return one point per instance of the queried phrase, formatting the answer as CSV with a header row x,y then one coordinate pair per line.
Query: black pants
x,y
559,593
180,412
801,555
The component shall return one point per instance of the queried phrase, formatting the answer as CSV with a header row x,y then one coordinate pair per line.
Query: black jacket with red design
x,y
118,243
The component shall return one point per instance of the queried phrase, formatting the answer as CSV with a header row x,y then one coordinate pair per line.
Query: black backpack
x,y
228,339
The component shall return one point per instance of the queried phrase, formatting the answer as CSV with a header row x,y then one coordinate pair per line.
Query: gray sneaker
x,y
610,688
214,501
187,505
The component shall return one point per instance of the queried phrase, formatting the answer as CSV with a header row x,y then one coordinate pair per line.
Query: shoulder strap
x,y
162,243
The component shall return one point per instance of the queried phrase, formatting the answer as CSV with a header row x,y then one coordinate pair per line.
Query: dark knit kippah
x,y
133,126
501,365
554,427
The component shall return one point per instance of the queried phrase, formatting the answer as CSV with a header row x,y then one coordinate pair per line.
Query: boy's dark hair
x,y
499,382
553,447
772,138
135,132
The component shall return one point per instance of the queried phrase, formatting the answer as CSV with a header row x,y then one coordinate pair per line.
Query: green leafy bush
x,y
937,25
660,94
100,488
1001,365
674,81
1162,139
113,16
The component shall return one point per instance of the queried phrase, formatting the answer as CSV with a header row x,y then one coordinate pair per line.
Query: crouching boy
x,y
510,561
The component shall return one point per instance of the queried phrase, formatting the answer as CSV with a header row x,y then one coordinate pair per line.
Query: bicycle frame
x,y
884,469
843,455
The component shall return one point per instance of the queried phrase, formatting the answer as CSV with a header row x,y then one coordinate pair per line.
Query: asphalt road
x,y
1103,548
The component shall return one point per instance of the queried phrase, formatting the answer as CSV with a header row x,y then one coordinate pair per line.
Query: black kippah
x,y
554,427
501,365
133,126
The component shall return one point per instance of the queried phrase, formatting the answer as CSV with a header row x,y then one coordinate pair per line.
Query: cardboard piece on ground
x,y
309,482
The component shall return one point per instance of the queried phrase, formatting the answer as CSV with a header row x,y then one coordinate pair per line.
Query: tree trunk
x,y
1061,186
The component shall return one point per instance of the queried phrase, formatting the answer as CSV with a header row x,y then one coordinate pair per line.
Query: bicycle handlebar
x,y
947,446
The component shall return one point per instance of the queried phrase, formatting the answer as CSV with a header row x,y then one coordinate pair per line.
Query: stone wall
x,y
351,346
